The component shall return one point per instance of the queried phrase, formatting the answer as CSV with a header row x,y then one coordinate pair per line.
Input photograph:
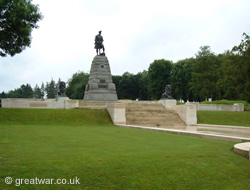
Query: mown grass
x,y
224,118
85,144
53,117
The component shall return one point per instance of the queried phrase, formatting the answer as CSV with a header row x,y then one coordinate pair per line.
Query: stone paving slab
x,y
190,131
223,126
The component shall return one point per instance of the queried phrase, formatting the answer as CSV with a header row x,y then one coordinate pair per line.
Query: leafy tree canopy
x,y
244,47
17,19
76,85
159,76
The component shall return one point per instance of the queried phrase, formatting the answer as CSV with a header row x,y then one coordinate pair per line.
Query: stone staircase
x,y
152,115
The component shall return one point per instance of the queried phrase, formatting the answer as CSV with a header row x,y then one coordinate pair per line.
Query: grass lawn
x,y
224,118
65,144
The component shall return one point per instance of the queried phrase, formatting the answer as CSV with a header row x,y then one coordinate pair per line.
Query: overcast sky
x,y
135,32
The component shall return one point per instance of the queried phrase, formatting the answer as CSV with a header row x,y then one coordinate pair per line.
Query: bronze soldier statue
x,y
98,44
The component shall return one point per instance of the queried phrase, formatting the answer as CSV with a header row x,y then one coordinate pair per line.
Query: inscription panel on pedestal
x,y
102,86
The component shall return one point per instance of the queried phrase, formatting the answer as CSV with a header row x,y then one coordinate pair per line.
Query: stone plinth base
x,y
100,87
168,103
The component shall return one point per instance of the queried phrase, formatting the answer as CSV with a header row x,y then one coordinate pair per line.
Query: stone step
x,y
155,117
148,123
152,112
163,122
168,126
146,106
144,110
152,115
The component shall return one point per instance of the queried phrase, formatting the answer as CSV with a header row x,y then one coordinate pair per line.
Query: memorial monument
x,y
100,87
168,92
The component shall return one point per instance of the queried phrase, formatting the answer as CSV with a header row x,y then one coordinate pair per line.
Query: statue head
x,y
100,32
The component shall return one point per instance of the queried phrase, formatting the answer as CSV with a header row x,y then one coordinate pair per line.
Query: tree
x,y
142,78
17,20
206,73
181,78
25,91
37,92
239,69
128,87
244,47
204,51
76,85
42,90
50,89
116,80
159,76
3,95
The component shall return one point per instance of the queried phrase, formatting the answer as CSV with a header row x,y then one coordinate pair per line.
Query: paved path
x,y
227,133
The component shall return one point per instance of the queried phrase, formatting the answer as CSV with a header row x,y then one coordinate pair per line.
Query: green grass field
x,y
224,118
65,144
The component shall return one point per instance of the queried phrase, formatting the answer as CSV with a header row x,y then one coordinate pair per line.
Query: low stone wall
x,y
60,103
219,107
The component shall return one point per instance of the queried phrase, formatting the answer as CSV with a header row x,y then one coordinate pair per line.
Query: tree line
x,y
207,75
50,90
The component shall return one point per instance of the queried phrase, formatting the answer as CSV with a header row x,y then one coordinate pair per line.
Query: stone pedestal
x,y
168,103
100,87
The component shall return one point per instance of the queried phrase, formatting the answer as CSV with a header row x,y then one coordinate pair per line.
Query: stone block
x,y
168,103
117,113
